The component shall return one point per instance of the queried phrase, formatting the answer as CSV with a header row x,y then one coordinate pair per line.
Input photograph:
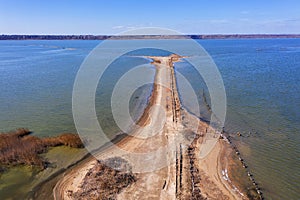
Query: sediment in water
x,y
188,166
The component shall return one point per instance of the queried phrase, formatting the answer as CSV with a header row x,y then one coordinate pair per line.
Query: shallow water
x,y
261,79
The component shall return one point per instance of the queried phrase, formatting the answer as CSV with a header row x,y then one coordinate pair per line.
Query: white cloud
x,y
245,12
218,21
118,27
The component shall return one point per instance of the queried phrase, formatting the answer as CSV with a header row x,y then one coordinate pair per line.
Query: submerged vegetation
x,y
19,147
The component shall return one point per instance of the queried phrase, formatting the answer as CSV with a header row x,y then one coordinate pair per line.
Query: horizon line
x,y
150,36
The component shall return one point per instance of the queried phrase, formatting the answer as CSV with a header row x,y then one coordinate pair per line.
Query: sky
x,y
98,17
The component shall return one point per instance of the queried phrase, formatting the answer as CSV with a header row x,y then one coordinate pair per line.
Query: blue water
x,y
36,84
261,78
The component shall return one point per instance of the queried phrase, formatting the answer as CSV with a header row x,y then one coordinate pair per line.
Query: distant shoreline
x,y
135,37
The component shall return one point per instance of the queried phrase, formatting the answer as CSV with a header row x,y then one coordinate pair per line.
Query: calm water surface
x,y
261,78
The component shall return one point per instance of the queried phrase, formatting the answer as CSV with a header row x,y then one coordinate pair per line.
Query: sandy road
x,y
163,151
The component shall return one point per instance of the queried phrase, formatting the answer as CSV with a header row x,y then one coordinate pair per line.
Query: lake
x,y
261,78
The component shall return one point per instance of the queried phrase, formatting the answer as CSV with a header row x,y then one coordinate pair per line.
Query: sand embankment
x,y
164,151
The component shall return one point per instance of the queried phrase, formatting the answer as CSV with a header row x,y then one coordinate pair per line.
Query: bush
x,y
21,148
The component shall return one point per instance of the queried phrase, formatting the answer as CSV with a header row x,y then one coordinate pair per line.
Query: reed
x,y
19,147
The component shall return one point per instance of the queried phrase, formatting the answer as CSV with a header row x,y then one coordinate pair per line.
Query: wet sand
x,y
164,151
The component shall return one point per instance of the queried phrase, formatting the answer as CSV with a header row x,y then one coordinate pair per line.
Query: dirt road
x,y
164,151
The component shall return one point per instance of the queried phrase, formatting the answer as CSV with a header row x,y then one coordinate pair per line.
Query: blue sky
x,y
114,16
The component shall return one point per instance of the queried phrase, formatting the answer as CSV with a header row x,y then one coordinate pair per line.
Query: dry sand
x,y
165,161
